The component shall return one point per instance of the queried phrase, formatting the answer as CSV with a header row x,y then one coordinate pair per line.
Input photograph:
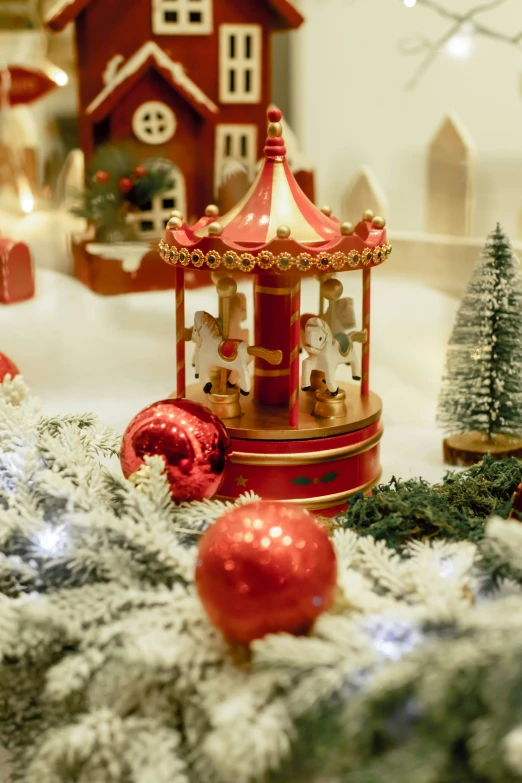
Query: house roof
x,y
150,55
64,11
276,226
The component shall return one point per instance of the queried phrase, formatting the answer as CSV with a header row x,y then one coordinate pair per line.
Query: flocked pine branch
x,y
471,21
111,673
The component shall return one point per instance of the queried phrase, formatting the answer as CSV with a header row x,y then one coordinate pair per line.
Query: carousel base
x,y
319,464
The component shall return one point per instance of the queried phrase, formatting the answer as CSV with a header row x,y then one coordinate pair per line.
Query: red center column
x,y
272,302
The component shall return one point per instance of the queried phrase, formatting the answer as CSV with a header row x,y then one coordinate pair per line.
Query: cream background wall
x,y
350,107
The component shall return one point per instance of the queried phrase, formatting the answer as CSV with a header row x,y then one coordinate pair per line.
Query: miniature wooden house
x,y
185,80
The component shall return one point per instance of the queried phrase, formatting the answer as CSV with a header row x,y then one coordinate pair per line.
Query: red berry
x,y
125,185
140,171
102,177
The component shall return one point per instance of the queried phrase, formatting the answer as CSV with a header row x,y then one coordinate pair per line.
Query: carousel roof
x,y
275,226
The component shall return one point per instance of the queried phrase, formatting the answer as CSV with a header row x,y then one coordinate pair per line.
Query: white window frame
x,y
183,9
235,59
236,142
159,214
169,122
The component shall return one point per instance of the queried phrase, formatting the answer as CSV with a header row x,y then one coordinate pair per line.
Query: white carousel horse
x,y
344,318
325,354
213,351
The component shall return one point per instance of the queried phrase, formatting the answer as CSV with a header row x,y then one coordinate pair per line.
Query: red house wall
x,y
105,29
182,149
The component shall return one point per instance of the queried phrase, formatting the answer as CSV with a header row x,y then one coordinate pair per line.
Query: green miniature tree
x,y
482,384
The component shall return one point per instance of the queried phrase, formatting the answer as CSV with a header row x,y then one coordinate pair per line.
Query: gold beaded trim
x,y
284,262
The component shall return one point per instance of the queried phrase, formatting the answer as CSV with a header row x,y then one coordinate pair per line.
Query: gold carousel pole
x,y
226,289
367,291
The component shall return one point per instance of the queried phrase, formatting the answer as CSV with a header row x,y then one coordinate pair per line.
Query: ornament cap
x,y
347,229
174,224
275,145
283,232
215,229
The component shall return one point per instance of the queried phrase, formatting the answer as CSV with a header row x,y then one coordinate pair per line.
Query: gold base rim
x,y
307,457
270,422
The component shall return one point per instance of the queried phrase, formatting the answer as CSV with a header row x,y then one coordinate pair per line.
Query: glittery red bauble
x,y
265,568
140,171
102,177
7,367
192,441
125,185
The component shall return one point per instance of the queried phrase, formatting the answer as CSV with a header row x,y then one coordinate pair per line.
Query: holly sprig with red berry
x,y
117,185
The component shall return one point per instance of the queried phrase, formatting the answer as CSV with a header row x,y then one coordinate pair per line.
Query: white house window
x,y
182,17
240,48
154,123
154,216
235,142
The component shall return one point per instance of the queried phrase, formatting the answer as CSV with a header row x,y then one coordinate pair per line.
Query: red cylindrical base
x,y
319,474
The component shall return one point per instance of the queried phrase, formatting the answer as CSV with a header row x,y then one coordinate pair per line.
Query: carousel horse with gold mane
x,y
232,355
325,353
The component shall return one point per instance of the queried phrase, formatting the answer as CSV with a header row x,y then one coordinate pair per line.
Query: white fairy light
x,y
410,3
50,540
460,46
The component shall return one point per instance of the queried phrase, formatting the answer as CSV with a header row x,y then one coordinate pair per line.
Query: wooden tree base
x,y
471,447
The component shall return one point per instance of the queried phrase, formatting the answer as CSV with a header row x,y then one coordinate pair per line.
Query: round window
x,y
154,123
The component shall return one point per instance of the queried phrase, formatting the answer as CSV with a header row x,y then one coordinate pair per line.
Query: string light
x,y
410,3
51,540
460,46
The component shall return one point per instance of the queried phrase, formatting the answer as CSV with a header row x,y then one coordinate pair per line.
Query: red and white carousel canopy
x,y
275,226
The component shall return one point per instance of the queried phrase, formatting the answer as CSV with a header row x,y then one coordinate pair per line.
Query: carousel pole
x,y
180,332
295,343
226,290
365,384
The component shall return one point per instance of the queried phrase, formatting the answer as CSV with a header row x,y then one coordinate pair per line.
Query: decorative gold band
x,y
293,398
179,298
294,354
294,318
326,501
180,366
304,262
271,373
308,458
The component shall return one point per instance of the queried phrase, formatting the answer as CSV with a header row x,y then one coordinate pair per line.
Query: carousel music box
x,y
297,434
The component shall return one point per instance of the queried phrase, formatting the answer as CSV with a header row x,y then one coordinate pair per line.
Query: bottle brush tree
x,y
482,384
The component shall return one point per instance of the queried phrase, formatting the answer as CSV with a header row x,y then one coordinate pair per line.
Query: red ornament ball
x,y
192,441
265,568
102,177
125,185
140,171
7,367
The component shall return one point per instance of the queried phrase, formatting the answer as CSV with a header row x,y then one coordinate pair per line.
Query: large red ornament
x,y
125,185
265,568
192,441
7,367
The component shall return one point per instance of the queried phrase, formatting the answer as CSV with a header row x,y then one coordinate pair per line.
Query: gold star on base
x,y
241,481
